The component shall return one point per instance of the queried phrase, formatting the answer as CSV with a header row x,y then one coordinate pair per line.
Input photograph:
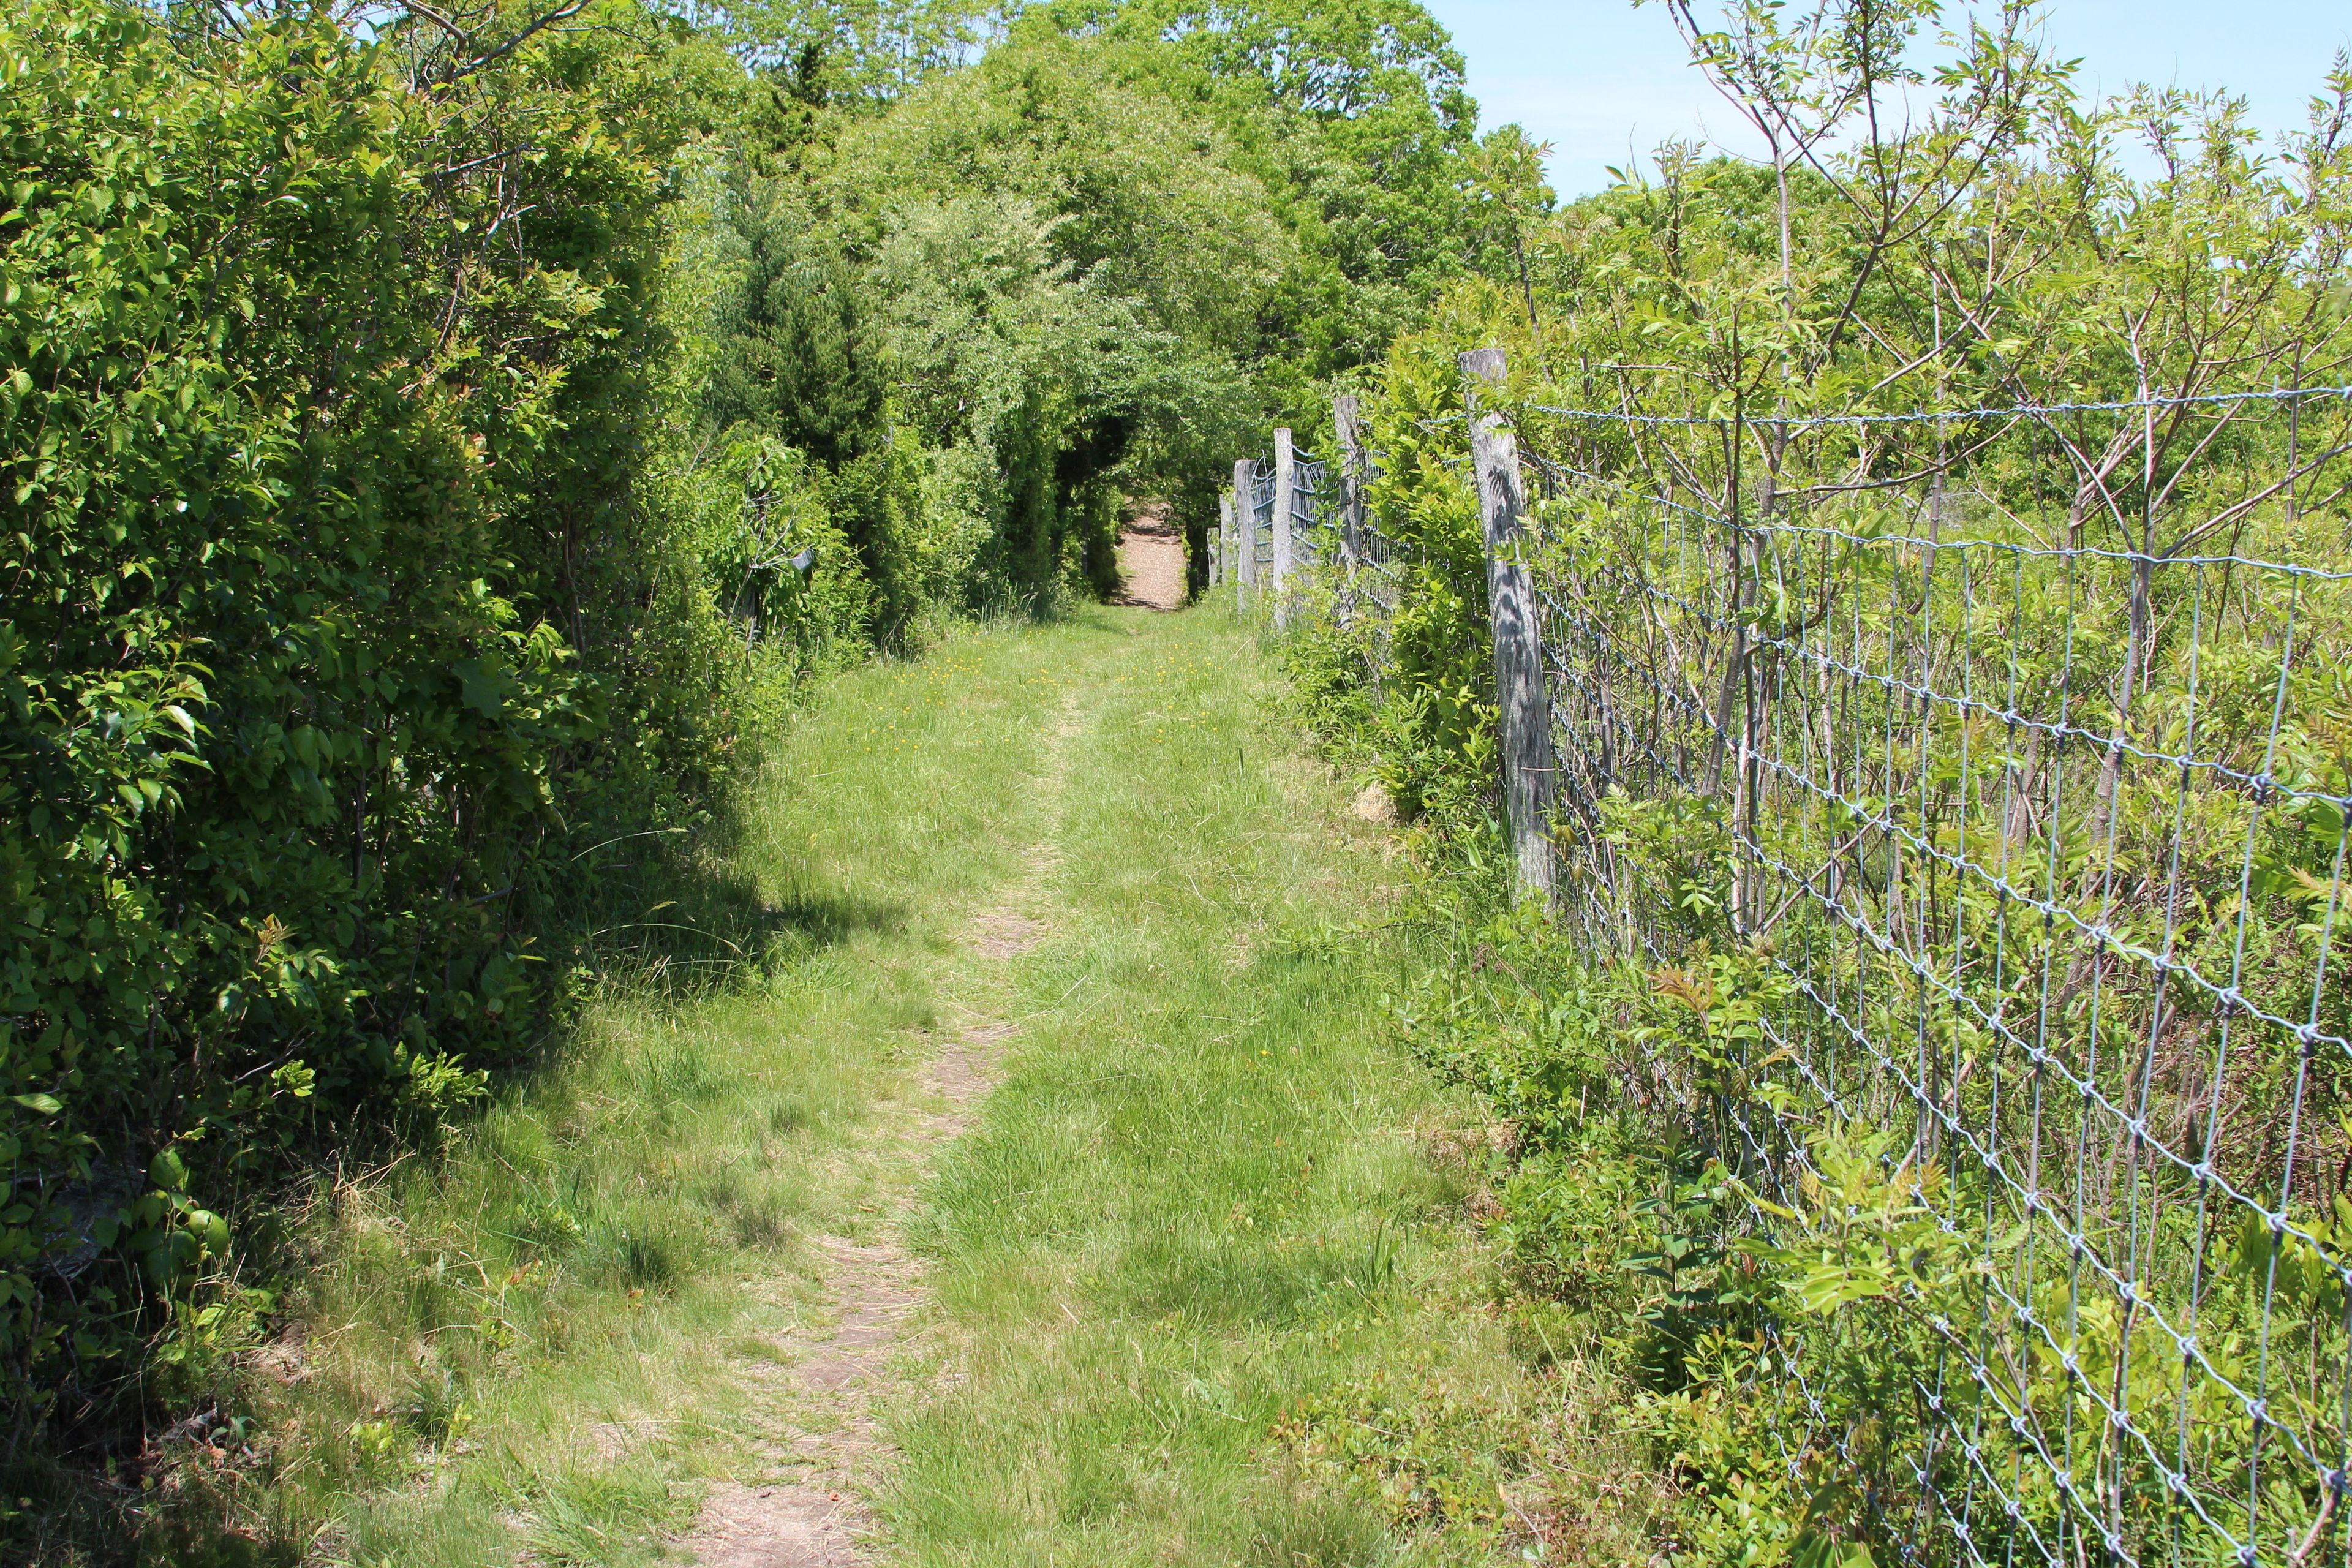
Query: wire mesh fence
x,y
1261,529
1313,524
1977,783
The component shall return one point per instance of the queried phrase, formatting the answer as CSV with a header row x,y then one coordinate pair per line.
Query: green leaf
x,y
484,686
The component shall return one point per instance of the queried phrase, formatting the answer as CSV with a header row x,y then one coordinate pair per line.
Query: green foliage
x,y
1070,261
807,364
1780,1079
1353,119
1428,1454
1096,257
335,632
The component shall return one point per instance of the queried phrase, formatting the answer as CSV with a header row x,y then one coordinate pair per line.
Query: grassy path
x,y
1056,1162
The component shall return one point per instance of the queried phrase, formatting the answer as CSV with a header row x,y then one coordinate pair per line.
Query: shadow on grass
x,y
687,919
77,1519
118,1483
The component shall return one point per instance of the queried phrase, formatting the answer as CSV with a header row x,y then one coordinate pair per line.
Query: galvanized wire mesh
x,y
1979,781
1261,529
1313,524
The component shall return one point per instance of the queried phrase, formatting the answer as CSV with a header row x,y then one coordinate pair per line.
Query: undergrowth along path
x,y
1050,1197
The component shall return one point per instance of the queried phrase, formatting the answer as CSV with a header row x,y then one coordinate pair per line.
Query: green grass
x,y
1200,1199
532,1342
1191,1240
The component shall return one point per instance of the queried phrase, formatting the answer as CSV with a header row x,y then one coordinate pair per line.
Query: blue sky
x,y
1589,76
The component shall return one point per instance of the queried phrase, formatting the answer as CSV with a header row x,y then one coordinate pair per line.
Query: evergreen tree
x,y
798,357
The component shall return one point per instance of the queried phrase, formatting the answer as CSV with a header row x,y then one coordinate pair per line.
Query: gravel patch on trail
x,y
1152,560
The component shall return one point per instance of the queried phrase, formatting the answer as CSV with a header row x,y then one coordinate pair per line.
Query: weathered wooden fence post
x,y
1246,526
1347,430
1530,774
1221,544
1285,480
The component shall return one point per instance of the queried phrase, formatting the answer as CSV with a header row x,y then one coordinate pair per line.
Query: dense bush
x,y
335,633
1092,260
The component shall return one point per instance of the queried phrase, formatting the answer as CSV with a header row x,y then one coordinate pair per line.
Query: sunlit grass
x,y
530,1343
1198,1203
1200,1197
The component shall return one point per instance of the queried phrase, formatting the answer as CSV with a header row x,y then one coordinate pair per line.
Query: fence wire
x,y
1978,784
1261,533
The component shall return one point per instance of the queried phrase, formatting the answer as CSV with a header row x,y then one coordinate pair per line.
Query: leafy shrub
x,y
1418,1446
335,632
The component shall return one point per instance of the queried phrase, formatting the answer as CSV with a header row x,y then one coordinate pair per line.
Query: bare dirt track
x,y
1151,560
826,1437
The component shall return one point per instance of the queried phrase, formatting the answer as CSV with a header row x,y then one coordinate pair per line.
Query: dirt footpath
x,y
1151,560
828,1450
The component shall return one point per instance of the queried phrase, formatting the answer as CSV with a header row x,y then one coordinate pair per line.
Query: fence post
x,y
1346,425
1220,544
1530,774
1347,429
1246,526
1286,477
